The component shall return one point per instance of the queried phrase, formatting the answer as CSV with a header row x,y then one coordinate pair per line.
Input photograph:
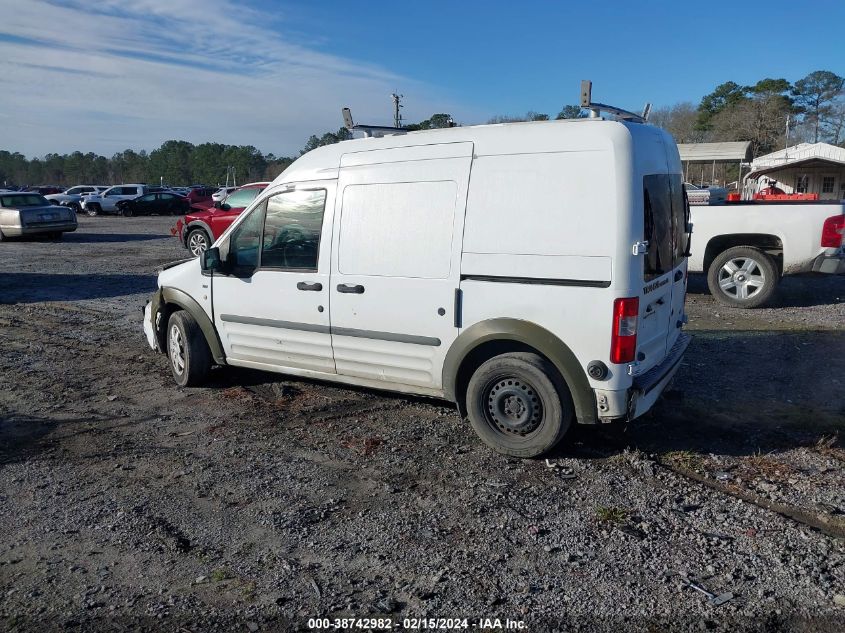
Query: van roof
x,y
490,139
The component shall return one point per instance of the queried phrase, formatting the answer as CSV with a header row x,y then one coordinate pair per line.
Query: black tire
x,y
92,209
194,240
126,211
743,277
519,405
55,236
187,351
3,238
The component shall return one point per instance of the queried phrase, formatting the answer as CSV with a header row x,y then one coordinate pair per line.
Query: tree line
x,y
174,163
814,106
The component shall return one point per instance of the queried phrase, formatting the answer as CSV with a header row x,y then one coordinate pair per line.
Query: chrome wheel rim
x,y
197,244
741,278
177,350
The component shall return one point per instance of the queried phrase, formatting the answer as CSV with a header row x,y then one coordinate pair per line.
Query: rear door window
x,y
666,221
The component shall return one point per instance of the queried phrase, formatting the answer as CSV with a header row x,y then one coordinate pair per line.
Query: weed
x,y
611,514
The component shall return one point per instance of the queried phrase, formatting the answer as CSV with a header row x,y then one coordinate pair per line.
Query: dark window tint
x,y
242,198
292,230
148,198
666,223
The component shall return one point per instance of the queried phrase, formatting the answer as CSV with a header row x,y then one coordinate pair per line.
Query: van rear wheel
x,y
519,405
187,350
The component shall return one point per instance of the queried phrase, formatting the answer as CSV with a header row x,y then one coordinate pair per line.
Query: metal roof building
x,y
733,151
803,168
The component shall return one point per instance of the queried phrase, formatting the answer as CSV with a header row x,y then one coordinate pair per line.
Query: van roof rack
x,y
369,130
597,108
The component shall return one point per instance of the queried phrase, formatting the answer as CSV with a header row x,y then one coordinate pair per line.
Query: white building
x,y
804,168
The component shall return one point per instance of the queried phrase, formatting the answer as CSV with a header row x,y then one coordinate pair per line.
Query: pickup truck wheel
x,y
519,405
92,209
743,277
190,358
198,242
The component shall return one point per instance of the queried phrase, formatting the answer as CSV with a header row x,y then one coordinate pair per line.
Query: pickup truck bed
x,y
746,247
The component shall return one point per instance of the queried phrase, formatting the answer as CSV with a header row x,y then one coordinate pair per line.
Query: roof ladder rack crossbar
x,y
369,130
596,108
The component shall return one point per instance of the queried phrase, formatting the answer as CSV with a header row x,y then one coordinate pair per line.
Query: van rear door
x,y
656,299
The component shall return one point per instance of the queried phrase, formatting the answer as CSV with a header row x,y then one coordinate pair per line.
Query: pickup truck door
x,y
272,312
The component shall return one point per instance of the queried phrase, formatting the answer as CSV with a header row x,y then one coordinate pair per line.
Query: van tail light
x,y
832,231
623,342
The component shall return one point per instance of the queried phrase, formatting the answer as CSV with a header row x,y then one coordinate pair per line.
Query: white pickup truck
x,y
746,247
106,201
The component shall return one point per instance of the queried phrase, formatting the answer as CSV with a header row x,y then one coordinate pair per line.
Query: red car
x,y
199,229
200,198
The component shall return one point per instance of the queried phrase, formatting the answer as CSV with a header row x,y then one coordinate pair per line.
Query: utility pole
x,y
397,118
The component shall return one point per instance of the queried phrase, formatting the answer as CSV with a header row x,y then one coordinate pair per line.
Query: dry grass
x,y
611,514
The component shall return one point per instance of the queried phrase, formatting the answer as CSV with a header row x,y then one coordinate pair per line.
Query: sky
x,y
108,75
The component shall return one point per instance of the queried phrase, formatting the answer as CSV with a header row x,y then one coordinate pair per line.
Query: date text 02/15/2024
x,y
482,624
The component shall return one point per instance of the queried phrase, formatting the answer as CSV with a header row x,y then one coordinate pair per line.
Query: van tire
x,y
735,288
187,350
519,405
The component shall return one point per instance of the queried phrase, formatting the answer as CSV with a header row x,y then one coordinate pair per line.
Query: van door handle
x,y
357,289
304,285
679,275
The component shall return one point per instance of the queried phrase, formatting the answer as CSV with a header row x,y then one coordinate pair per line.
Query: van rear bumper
x,y
628,404
648,387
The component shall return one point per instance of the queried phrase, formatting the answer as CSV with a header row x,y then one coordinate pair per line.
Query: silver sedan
x,y
26,213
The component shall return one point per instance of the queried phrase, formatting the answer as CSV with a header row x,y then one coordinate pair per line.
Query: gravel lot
x,y
260,501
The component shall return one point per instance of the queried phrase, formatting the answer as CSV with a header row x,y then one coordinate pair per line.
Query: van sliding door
x,y
396,261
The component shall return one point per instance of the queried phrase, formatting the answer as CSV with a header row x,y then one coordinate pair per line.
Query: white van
x,y
533,273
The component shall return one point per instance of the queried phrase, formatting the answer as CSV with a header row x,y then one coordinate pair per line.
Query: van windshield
x,y
666,221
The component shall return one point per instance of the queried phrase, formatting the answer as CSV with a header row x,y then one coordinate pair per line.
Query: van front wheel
x,y
187,351
519,405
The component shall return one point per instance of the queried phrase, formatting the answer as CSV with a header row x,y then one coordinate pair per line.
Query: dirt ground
x,y
261,502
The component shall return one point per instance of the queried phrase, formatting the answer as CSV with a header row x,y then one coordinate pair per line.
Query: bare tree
x,y
761,120
680,121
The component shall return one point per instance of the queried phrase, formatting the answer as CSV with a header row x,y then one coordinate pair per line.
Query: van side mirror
x,y
210,259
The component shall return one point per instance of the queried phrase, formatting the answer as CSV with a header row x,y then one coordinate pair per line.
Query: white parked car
x,y
73,197
221,194
545,290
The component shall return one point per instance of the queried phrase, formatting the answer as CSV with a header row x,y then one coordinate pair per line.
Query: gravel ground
x,y
261,501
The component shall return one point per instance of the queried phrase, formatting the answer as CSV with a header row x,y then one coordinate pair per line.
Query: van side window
x,y
243,245
398,229
292,230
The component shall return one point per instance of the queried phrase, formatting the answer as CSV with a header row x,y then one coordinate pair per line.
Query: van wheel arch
x,y
487,339
173,300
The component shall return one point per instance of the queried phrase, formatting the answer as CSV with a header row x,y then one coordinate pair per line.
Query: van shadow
x,y
793,291
40,287
739,393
